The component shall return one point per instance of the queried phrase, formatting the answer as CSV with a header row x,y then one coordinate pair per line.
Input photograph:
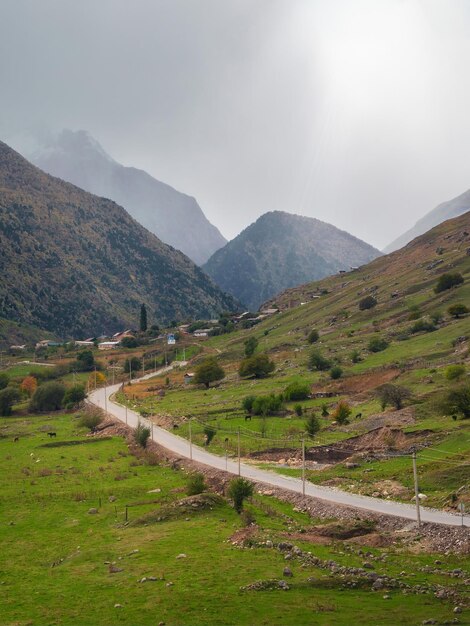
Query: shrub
x,y
250,346
415,312
48,397
457,401
208,372
141,435
369,302
457,310
318,362
336,372
313,336
258,366
133,364
73,396
29,385
377,344
324,410
239,489
342,412
298,410
447,281
209,432
422,326
8,397
454,372
129,342
247,517
85,361
436,317
392,394
195,484
312,425
91,419
267,405
356,356
247,403
95,379
4,380
297,391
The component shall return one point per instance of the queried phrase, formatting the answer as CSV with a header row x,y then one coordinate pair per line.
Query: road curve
x,y
102,398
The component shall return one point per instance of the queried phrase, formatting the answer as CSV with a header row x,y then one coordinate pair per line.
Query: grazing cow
x,y
52,435
16,439
358,416
247,417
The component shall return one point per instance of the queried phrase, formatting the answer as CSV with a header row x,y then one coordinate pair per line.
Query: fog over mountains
x,y
174,217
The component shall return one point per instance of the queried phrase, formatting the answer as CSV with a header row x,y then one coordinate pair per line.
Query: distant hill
x,y
76,264
452,208
281,250
174,217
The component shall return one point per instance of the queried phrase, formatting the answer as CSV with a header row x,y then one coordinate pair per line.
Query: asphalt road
x,y
182,447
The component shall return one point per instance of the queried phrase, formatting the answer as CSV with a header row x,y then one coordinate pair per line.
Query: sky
x,y
351,111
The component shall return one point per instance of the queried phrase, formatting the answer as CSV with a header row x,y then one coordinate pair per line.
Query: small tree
x,y
143,318
313,336
133,364
342,412
208,372
258,366
393,394
455,372
312,425
336,372
238,490
422,326
95,379
457,401
318,362
447,281
298,410
8,397
73,396
209,432
85,361
195,484
324,410
457,310
4,380
29,385
298,390
247,403
377,344
369,302
48,397
141,435
267,405
91,419
250,346
356,356
129,342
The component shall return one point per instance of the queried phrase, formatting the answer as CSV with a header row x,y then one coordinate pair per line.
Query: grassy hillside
x,y
73,263
422,340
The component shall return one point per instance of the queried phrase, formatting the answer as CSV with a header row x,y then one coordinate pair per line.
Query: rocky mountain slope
x,y
281,250
452,208
174,217
74,263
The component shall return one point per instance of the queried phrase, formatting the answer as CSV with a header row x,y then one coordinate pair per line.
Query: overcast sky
x,y
352,111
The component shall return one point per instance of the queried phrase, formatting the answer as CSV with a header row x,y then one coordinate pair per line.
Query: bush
x,y
267,405
141,435
392,394
312,425
342,412
422,326
324,410
447,281
133,364
457,310
318,362
4,380
377,344
259,366
208,372
247,403
297,391
436,317
369,302
195,484
250,346
454,372
48,397
313,336
238,490
356,356
91,419
8,397
73,396
209,432
336,372
129,342
298,410
457,401
29,385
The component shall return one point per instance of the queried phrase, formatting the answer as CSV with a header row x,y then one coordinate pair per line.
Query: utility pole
x,y
239,467
415,475
95,377
303,467
190,441
105,399
143,365
126,412
130,371
155,363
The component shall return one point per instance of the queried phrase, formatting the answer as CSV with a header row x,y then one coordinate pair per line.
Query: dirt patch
x,y
403,417
241,536
391,488
374,540
181,508
363,383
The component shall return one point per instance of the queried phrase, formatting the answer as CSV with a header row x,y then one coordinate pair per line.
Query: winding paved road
x,y
180,446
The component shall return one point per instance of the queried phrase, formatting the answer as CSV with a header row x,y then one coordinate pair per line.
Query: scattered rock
x,y
367,565
169,584
112,498
287,572
181,556
118,606
458,609
113,569
93,511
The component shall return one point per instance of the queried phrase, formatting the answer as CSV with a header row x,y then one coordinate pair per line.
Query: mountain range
x,y
78,264
281,250
444,211
176,218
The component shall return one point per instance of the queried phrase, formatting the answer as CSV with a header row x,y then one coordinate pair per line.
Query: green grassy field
x,y
55,555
